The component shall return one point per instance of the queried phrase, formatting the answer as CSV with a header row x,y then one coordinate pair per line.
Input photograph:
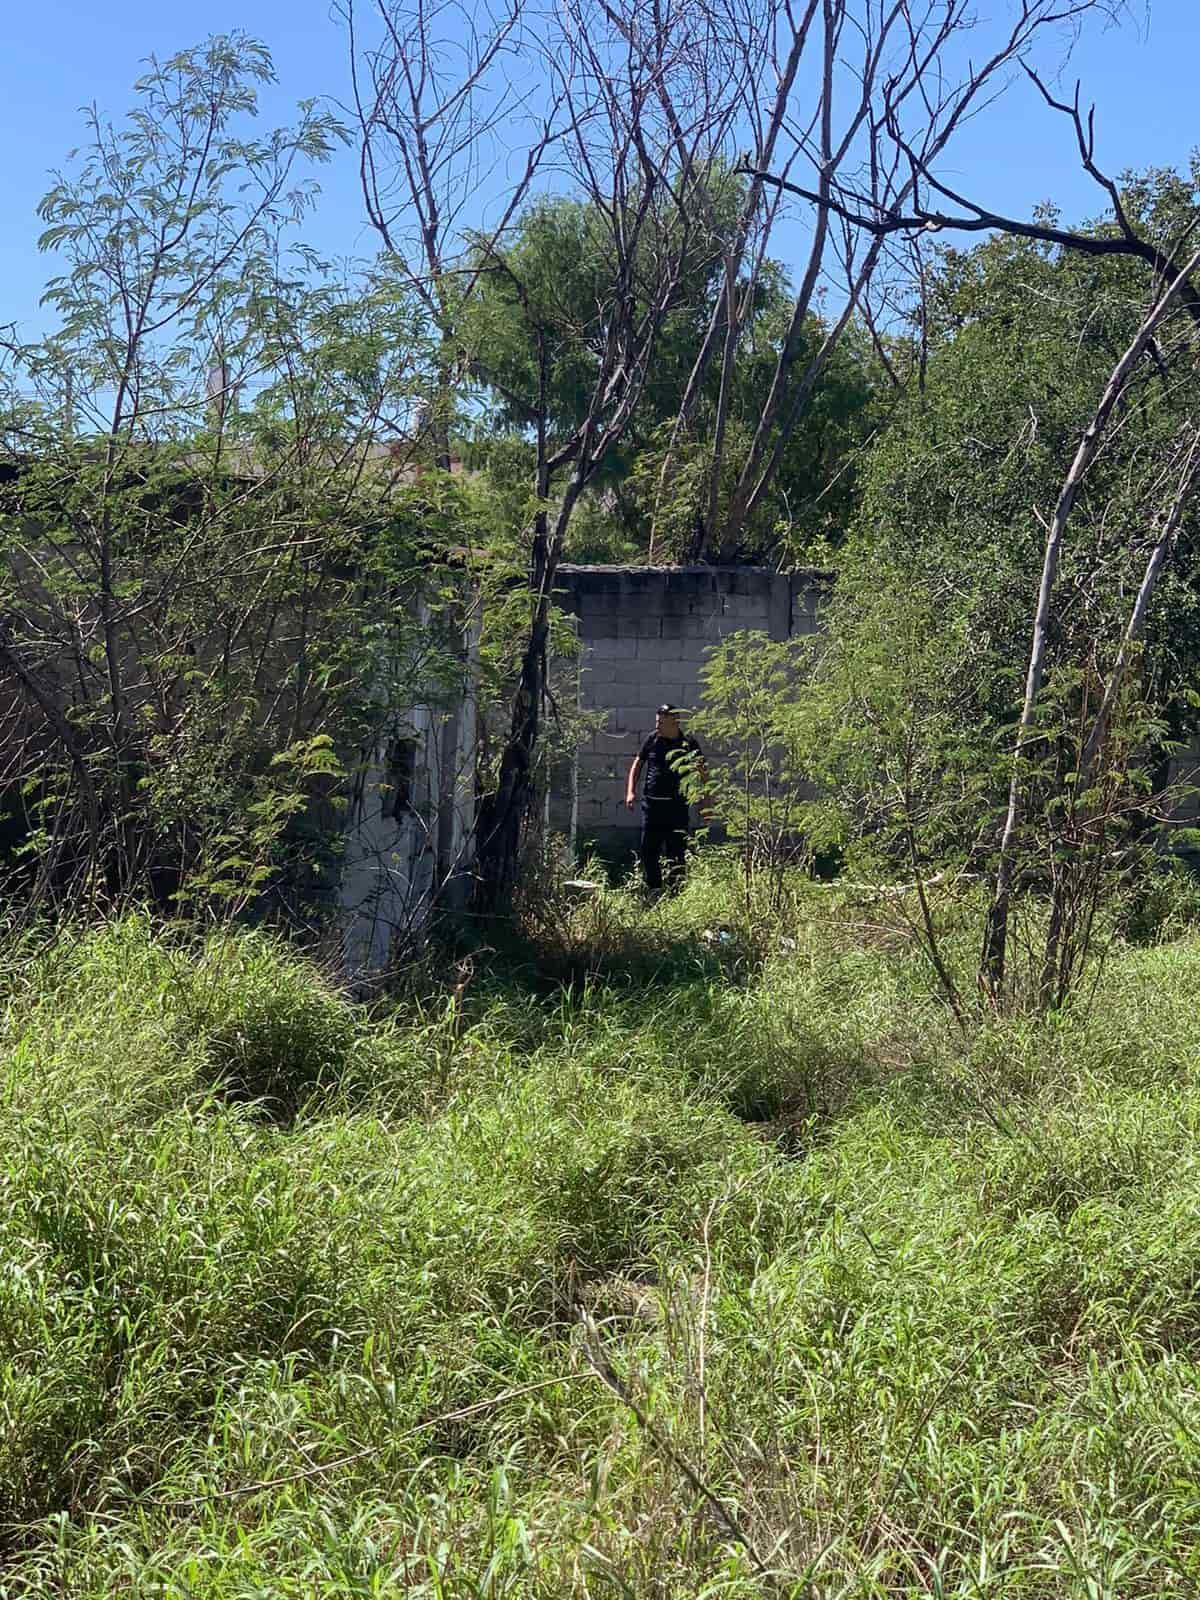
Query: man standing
x,y
664,807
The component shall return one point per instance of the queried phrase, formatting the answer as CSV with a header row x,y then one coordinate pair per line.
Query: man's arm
x,y
635,773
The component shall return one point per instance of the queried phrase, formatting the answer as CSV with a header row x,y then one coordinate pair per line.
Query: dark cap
x,y
667,711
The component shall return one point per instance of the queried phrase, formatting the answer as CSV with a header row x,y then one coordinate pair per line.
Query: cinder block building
x,y
645,634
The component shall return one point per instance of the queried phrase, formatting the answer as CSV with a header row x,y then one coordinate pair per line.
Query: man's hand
x,y
630,799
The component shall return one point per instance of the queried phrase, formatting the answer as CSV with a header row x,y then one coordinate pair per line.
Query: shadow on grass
x,y
619,943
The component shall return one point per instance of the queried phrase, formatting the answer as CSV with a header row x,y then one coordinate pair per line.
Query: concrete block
x,y
648,649
693,581
809,590
595,810
725,626
688,629
779,609
588,583
696,627
640,707
746,614
679,693
620,673
642,581
610,649
682,604
590,611
597,761
659,651
710,617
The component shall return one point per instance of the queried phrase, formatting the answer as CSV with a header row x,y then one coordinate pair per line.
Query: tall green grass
x,y
679,1266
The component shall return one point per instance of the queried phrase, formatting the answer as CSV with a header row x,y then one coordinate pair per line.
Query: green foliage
x,y
535,327
533,331
855,747
857,740
938,585
1021,342
918,1303
167,226
803,520
218,582
758,783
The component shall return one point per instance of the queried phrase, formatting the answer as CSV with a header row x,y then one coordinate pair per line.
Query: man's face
x,y
666,724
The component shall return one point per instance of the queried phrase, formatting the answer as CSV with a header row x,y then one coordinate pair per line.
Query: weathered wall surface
x,y
645,633
408,827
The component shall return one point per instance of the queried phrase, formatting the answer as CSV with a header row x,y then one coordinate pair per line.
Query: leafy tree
x,y
1023,338
683,485
859,744
552,276
643,117
210,563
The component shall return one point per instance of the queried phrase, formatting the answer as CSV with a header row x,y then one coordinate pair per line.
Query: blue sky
x,y
60,54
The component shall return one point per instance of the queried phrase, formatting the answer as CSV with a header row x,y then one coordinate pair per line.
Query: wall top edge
x,y
578,569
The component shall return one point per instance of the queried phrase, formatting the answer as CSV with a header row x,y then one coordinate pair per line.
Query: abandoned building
x,y
644,635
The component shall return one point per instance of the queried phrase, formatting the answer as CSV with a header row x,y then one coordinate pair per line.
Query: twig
x,y
728,1518
701,1332
939,1395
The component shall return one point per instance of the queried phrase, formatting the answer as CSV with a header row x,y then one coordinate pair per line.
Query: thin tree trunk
x,y
502,814
1048,984
734,259
1137,616
704,531
747,498
995,940
793,343
1062,950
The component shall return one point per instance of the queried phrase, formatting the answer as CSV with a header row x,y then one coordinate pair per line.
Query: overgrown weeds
x,y
298,1299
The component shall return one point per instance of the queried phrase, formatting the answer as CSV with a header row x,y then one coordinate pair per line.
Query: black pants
x,y
664,838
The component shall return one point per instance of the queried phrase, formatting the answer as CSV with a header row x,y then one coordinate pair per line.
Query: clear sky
x,y
61,54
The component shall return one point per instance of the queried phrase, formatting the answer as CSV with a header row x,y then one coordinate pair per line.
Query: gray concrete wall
x,y
645,633
398,862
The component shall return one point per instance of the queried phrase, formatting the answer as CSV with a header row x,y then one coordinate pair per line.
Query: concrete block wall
x,y
645,633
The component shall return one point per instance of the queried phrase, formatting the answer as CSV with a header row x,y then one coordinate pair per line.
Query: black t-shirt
x,y
660,757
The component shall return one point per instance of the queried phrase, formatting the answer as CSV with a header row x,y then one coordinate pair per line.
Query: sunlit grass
x,y
300,1300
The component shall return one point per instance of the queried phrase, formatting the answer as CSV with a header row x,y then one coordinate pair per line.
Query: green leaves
x,y
164,221
211,559
532,334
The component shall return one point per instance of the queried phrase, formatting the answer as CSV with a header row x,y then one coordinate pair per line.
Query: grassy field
x,y
677,1267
